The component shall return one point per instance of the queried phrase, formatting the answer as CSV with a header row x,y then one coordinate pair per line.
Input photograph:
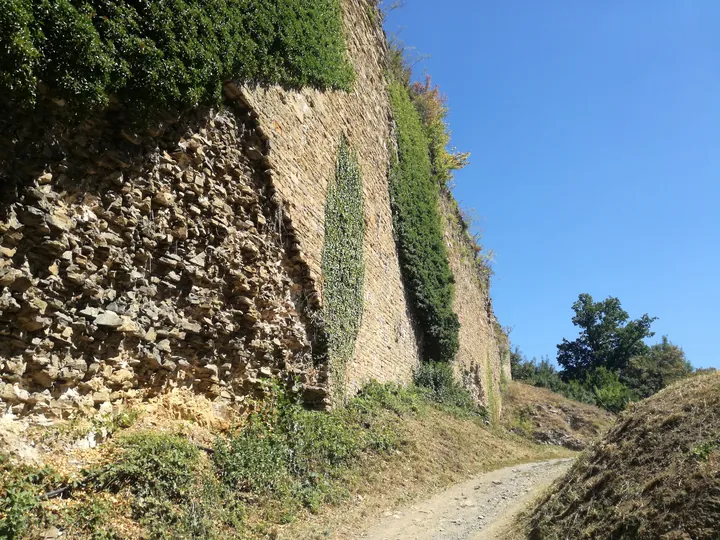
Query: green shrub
x,y
163,54
90,519
174,495
433,109
343,263
438,380
20,489
153,464
423,254
610,393
296,455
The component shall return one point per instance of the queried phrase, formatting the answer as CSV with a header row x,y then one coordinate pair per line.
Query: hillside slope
x,y
655,475
547,417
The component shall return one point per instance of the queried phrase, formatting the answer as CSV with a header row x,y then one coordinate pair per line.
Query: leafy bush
x,y
20,490
343,263
423,254
609,392
153,464
433,109
163,54
661,365
600,386
294,454
438,380
173,495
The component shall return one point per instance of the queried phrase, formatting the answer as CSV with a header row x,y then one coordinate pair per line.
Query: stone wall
x,y
190,255
304,130
130,264
479,361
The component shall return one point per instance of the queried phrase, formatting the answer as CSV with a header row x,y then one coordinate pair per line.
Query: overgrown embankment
x,y
655,475
160,476
550,418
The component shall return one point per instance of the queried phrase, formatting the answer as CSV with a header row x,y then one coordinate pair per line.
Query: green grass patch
x,y
165,54
416,216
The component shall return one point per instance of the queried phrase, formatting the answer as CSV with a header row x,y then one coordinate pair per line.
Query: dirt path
x,y
476,509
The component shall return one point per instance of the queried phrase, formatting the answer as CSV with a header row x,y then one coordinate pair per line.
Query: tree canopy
x,y
608,338
661,365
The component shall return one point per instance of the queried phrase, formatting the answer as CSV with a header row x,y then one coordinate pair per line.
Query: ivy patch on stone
x,y
343,264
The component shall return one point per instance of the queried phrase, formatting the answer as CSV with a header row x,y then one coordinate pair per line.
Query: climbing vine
x,y
416,215
342,264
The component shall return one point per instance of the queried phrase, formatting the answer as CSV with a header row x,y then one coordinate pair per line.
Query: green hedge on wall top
x,y
165,54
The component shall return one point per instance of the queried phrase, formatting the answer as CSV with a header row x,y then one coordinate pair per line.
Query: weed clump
x,y
438,380
295,455
20,489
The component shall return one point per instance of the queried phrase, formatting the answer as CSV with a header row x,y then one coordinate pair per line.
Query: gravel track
x,y
476,509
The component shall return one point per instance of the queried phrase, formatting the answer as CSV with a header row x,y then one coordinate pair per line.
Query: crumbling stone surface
x,y
190,255
132,263
479,360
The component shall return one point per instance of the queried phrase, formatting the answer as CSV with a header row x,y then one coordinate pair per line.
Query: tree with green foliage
x,y
610,393
608,338
661,365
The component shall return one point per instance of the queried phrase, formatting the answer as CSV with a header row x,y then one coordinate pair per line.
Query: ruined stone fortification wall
x,y
130,264
190,255
480,359
304,129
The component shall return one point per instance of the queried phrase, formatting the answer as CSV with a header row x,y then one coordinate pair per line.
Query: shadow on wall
x,y
130,263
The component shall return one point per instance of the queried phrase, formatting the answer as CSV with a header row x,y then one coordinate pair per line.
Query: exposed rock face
x,y
128,266
479,361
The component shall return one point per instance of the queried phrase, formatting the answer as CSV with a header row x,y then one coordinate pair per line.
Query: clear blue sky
x,y
594,129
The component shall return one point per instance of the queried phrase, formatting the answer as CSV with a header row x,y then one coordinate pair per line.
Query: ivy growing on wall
x,y
164,54
416,216
342,264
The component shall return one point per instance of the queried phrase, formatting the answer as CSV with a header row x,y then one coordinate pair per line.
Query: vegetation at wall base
x,y
164,54
283,459
343,264
423,255
437,381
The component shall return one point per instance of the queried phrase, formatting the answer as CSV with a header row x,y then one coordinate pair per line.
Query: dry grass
x,y
440,451
433,446
546,416
656,475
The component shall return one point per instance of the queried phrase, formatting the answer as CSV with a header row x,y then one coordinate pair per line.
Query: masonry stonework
x,y
190,255
479,360
304,129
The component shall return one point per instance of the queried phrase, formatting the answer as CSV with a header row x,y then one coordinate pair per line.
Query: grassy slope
x,y
324,478
655,475
543,415
439,450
